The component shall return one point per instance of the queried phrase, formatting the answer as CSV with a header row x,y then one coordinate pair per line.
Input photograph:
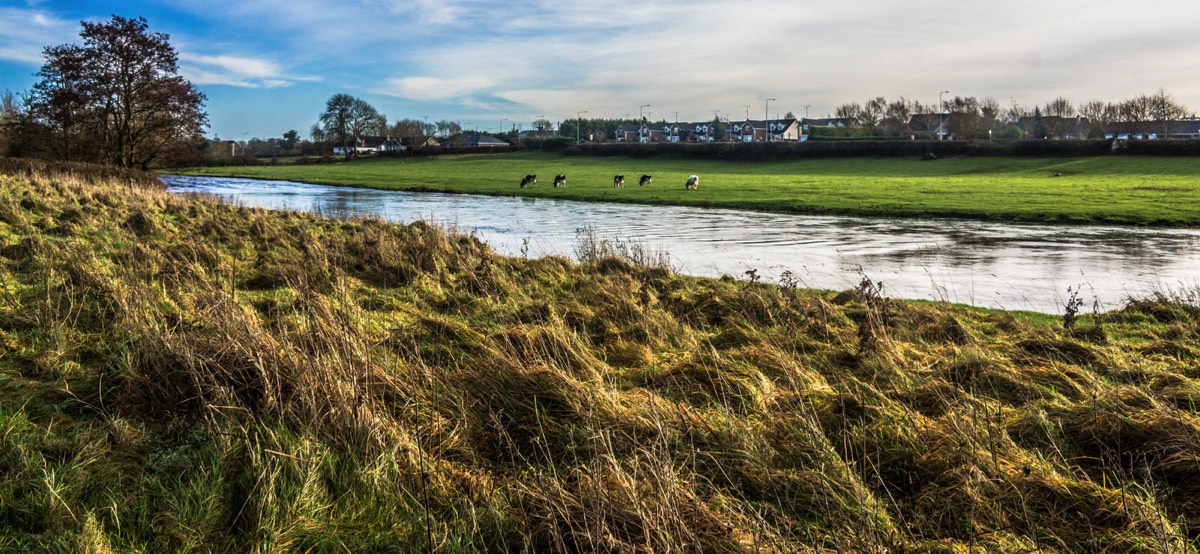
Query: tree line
x,y
973,118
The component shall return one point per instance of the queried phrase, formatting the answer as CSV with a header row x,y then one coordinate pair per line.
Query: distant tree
x,y
290,139
411,129
1015,113
718,129
1039,126
13,129
896,117
1059,107
542,125
117,98
872,113
964,119
989,117
447,129
1165,111
1094,119
345,120
851,111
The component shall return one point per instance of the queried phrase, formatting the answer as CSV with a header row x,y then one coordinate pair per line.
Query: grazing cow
x,y
560,181
693,182
618,180
530,180
645,180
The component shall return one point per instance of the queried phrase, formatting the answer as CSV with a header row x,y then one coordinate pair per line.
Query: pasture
x,y
1113,190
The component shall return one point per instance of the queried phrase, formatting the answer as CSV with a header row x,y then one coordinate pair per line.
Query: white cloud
x,y
436,88
237,71
24,32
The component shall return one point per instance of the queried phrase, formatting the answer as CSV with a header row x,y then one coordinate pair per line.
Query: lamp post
x,y
501,131
940,122
578,124
766,120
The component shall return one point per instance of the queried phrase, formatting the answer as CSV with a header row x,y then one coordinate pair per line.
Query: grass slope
x,y
183,375
1113,189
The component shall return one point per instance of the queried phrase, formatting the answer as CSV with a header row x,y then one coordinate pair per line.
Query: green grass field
x,y
1118,190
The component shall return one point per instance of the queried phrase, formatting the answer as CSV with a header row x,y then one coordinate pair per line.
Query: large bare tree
x,y
345,120
117,97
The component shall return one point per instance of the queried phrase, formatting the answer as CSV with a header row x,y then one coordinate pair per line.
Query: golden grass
x,y
181,374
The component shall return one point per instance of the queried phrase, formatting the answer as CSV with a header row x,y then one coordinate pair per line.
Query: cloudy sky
x,y
268,66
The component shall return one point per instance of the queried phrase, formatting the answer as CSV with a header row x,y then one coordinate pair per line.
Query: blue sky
x,y
268,66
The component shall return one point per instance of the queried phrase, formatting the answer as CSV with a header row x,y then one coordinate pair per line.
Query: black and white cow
x,y
693,182
645,180
560,181
530,180
618,180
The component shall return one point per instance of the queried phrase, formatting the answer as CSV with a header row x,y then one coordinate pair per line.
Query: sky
x,y
268,66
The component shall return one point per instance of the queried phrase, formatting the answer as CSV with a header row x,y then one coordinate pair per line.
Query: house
x,y
628,132
1186,129
702,132
773,130
485,141
649,132
370,145
427,142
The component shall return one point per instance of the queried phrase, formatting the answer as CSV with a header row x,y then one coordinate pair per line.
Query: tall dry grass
x,y
181,374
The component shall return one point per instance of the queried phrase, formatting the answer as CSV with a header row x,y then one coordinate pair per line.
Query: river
x,y
994,265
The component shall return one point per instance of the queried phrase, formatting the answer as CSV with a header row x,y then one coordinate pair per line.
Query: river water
x,y
1008,266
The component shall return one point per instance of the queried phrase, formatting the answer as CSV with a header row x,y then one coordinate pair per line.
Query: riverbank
x,y
181,374
1153,191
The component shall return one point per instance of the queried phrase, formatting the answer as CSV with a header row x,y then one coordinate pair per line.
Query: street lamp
x,y
501,131
940,122
766,120
578,124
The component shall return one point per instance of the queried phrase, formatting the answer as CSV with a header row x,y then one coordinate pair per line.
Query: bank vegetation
x,y
180,374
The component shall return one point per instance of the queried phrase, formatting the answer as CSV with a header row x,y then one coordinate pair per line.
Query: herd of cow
x,y
693,182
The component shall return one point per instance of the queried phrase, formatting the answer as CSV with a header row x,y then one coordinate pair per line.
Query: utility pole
x,y
766,120
940,121
578,124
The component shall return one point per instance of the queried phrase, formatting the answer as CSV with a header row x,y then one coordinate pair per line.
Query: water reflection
x,y
985,264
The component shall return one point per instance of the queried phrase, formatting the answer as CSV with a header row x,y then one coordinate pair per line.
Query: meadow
x,y
1128,190
182,375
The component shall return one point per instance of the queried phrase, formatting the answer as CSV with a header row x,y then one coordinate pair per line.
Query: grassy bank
x,y
1114,189
183,375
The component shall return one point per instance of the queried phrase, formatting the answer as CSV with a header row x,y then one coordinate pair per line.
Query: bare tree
x,y
851,111
1059,107
447,129
1164,110
412,129
896,116
117,97
1094,119
345,120
872,113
